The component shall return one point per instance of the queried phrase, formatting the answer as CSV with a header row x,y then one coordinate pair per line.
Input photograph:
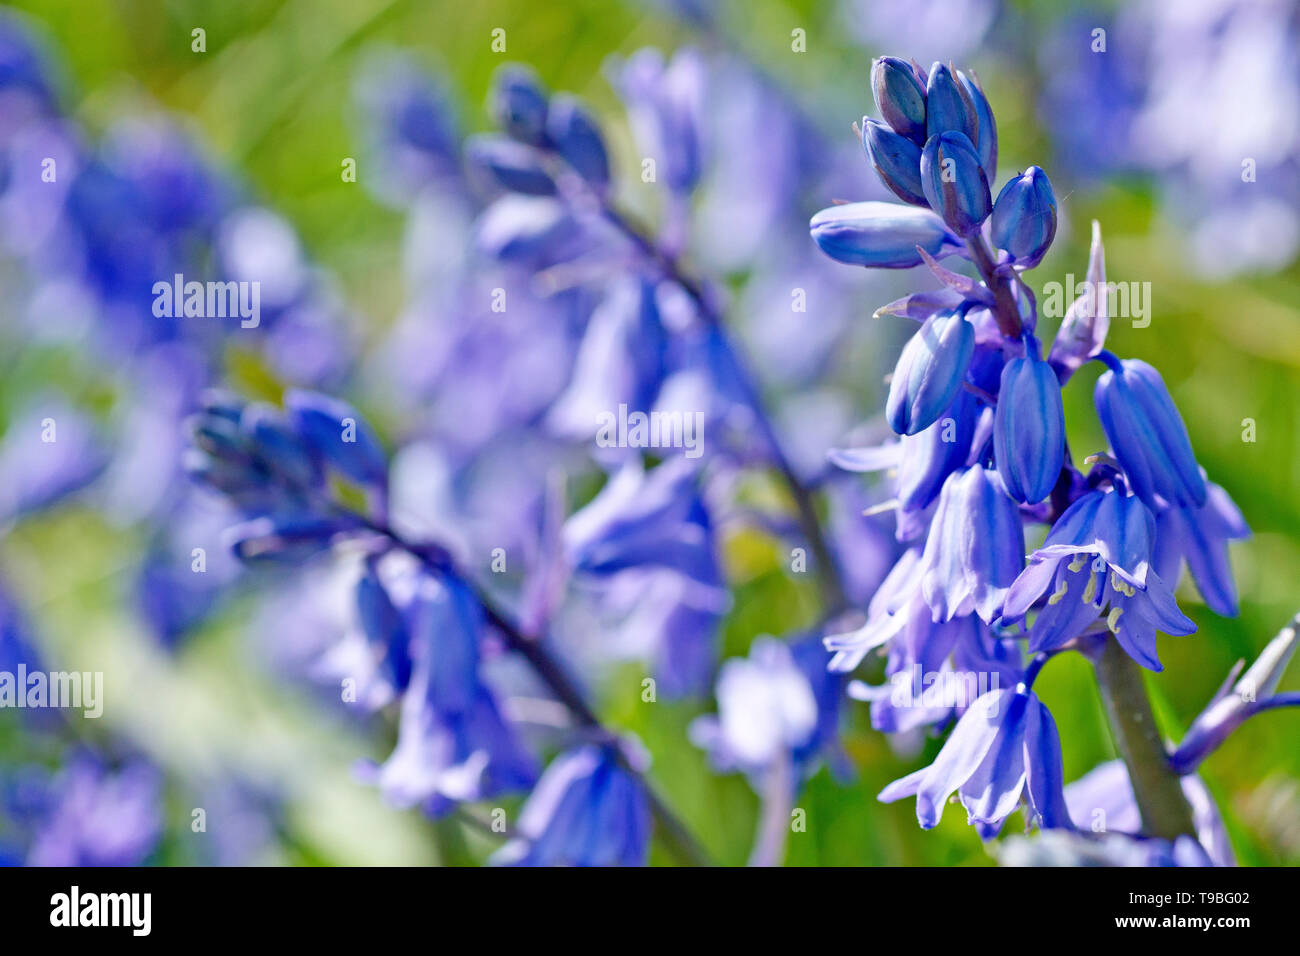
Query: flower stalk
x,y
1161,802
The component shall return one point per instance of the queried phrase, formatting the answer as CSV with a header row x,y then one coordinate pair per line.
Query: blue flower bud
x,y
880,235
288,539
1029,429
900,97
532,230
896,159
337,434
518,104
929,372
948,107
509,165
576,137
1024,217
279,446
954,182
1148,435
986,140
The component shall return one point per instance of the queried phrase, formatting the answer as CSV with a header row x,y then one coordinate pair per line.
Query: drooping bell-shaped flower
x,y
880,235
1029,428
930,371
975,549
954,183
1148,435
896,160
1005,745
1200,537
587,810
900,97
1098,556
338,435
509,165
1024,217
948,107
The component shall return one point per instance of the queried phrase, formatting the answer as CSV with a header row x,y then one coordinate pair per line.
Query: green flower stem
x,y
1161,802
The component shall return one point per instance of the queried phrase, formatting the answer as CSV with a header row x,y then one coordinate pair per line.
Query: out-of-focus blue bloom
x,y
1024,217
385,626
15,641
954,182
518,103
880,235
509,165
986,143
930,372
338,435
88,814
408,125
587,810
453,744
1082,334
533,231
900,97
50,450
23,65
622,360
948,107
929,29
286,538
1005,744
1200,536
665,104
1101,801
780,704
896,160
573,134
1254,693
975,549
1029,428
1097,554
1147,434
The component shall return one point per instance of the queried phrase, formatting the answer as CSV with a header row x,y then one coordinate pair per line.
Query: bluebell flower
x,y
896,160
948,106
337,434
1254,693
1005,745
954,182
574,134
88,813
507,164
15,639
1199,537
975,549
1024,217
532,231
1101,801
1029,428
986,140
900,97
1147,434
665,106
921,461
519,104
1098,556
930,371
890,611
588,809
778,705
453,744
881,235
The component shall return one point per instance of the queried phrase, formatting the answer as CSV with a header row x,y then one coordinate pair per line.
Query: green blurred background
x,y
272,98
